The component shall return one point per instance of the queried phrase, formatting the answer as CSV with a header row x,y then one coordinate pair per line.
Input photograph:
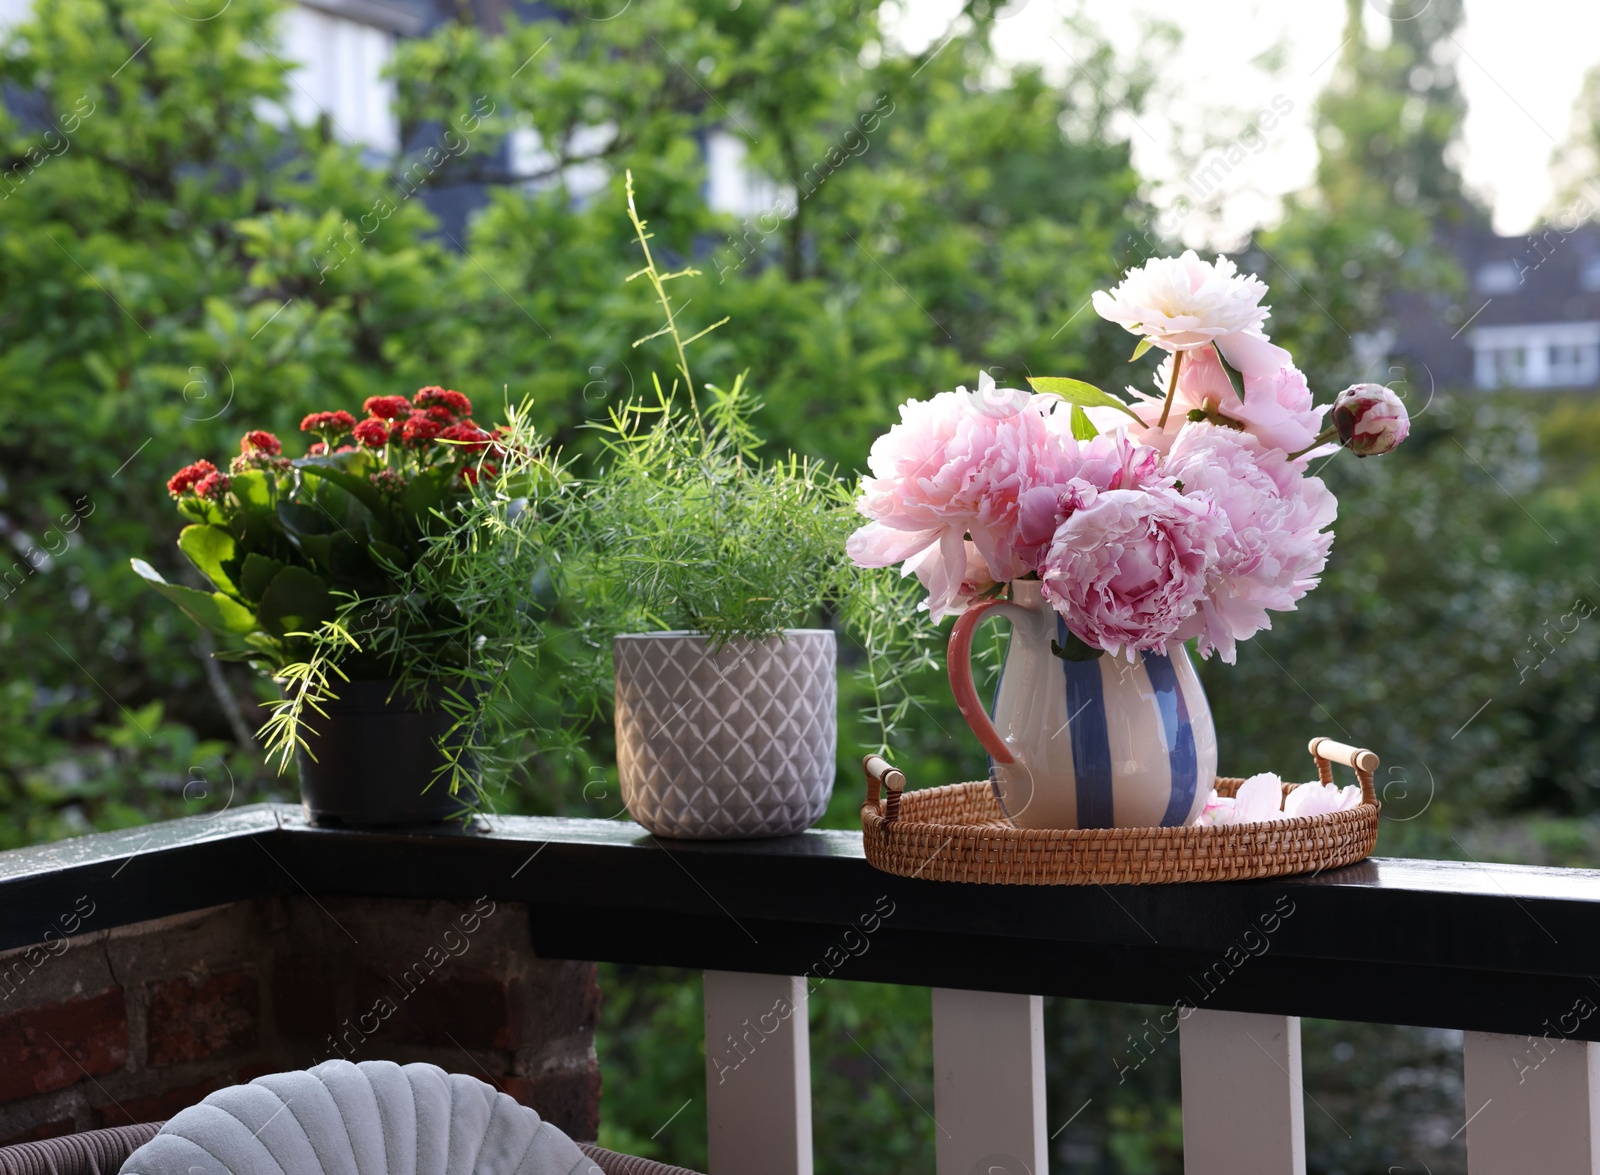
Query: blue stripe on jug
x,y
1181,753
1091,743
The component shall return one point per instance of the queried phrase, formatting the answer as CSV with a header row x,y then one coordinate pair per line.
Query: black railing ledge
x,y
1500,948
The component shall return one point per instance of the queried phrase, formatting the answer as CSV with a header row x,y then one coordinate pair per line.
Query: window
x,y
732,185
1589,275
1537,355
1498,277
1509,366
586,178
1566,362
338,71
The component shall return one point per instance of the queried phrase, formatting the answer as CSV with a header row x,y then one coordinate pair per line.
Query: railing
x,y
1505,952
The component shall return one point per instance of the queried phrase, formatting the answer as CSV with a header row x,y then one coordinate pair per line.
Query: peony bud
x,y
1371,419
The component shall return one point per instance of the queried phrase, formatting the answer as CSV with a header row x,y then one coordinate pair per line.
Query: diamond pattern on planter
x,y
736,743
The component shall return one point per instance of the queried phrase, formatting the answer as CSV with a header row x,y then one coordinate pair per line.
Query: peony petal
x,y
877,545
1251,354
1259,799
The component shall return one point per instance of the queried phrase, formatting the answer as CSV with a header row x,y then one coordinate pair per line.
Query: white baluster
x,y
1532,1105
988,1063
758,1074
1243,1104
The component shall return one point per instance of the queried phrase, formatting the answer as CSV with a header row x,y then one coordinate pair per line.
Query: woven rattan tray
x,y
959,833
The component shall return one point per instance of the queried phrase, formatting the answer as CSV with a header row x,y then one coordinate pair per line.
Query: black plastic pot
x,y
378,759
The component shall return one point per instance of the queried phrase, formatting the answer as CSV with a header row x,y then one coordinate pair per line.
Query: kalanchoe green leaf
x,y
255,491
212,611
210,548
295,601
354,483
255,574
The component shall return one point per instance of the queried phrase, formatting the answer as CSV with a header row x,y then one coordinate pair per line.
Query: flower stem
x,y
1172,388
1326,434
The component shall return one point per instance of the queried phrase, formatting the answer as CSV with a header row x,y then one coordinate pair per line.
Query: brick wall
x,y
133,1024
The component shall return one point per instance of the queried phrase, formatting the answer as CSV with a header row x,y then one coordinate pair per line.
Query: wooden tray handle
x,y
880,775
1327,752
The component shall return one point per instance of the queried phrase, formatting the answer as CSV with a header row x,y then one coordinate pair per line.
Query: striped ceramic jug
x,y
1099,743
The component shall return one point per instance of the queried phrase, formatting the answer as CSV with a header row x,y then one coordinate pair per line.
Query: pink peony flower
x,y
1108,462
1276,406
1371,419
955,466
947,596
1179,303
1128,568
1273,547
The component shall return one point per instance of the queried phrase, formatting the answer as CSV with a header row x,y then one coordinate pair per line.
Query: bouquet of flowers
x,y
286,542
1190,513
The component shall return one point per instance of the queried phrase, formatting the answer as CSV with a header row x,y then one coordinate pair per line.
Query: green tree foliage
x,y
1388,135
1575,164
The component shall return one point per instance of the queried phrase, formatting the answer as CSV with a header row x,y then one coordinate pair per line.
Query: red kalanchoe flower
x,y
259,459
185,480
260,441
387,407
388,481
471,473
442,414
469,437
453,402
374,433
212,486
317,450
419,429
337,423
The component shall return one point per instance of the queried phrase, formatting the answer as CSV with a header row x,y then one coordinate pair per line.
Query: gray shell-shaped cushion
x,y
375,1118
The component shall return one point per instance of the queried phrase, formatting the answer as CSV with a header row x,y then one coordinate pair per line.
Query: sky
x,y
1520,77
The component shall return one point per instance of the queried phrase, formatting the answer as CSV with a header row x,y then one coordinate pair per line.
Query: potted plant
x,y
1110,533
345,575
708,572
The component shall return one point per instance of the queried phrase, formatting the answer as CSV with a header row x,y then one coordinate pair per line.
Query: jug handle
x,y
959,664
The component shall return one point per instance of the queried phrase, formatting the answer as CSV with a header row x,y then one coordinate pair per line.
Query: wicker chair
x,y
102,1152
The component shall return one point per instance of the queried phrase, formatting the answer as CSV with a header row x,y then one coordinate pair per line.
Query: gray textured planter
x,y
740,743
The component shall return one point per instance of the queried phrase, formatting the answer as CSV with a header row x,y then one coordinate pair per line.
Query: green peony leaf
x,y
1144,345
1076,649
295,601
1075,391
1083,428
212,611
209,548
1235,376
